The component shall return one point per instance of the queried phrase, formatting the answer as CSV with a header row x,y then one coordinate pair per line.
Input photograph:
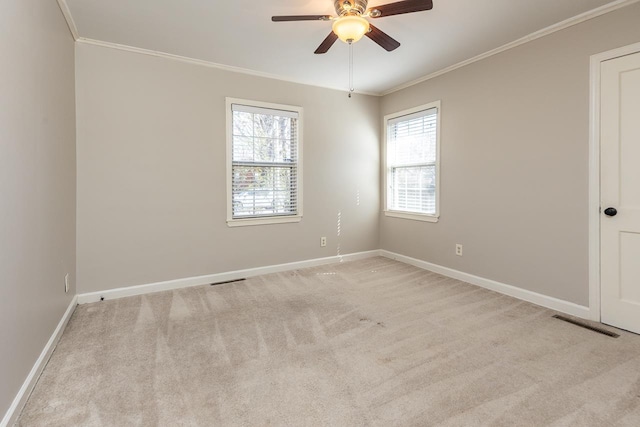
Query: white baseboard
x,y
523,294
218,277
513,291
27,387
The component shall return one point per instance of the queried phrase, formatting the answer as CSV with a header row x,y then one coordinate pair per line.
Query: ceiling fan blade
x,y
301,18
407,6
327,43
387,42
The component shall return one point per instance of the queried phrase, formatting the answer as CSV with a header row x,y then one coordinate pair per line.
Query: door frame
x,y
594,172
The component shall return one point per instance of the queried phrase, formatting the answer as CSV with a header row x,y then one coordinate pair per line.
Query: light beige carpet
x,y
371,342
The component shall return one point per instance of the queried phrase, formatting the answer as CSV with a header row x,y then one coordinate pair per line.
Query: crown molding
x,y
602,10
69,18
159,54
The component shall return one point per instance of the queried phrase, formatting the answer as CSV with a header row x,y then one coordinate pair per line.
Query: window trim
x,y
386,169
239,222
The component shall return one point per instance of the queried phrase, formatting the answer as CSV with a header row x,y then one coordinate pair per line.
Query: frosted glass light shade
x,y
350,28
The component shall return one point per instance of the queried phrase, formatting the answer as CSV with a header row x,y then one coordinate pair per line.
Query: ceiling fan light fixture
x,y
350,28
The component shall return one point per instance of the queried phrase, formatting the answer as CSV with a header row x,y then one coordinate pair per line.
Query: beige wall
x,y
151,172
37,183
515,135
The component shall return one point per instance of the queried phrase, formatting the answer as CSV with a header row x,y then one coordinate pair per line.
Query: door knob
x,y
611,212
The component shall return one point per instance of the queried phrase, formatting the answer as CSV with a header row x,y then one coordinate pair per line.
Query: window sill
x,y
412,216
263,221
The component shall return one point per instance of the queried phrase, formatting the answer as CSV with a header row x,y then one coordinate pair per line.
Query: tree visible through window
x,y
264,162
412,161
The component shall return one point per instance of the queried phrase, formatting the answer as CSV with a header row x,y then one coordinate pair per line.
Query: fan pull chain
x,y
350,69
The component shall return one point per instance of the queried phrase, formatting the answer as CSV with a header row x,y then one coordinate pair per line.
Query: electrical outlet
x,y
66,283
458,249
323,241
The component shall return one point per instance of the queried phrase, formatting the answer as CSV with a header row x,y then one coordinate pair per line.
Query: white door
x,y
620,192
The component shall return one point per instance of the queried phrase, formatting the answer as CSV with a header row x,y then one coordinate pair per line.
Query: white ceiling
x,y
239,33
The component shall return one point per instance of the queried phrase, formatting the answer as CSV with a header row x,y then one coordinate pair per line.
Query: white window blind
x,y
264,162
412,161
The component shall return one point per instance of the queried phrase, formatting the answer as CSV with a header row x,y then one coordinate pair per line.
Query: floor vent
x,y
586,326
227,281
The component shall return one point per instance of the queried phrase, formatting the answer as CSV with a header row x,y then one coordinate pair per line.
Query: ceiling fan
x,y
350,24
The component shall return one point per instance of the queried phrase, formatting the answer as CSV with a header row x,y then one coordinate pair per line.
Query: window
x,y
412,140
264,163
